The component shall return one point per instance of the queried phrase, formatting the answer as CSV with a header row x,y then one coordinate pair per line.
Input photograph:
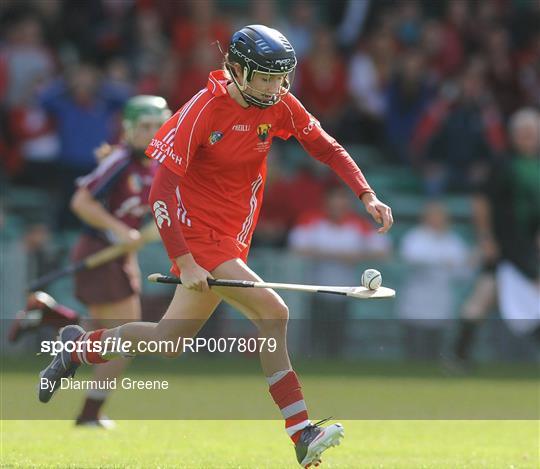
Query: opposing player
x,y
206,198
112,201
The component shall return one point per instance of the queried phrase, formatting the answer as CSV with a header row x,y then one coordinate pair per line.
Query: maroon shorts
x,y
107,283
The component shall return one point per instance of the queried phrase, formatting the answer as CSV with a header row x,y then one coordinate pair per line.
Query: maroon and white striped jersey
x,y
121,182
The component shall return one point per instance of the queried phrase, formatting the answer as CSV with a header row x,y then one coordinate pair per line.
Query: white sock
x,y
276,376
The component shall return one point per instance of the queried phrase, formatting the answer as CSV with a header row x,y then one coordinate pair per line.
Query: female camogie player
x,y
206,198
112,201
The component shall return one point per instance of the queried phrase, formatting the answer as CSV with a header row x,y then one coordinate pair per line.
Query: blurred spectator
x,y
195,69
502,73
507,219
334,240
322,81
434,255
486,14
497,228
264,13
163,82
306,188
408,96
35,141
409,22
459,136
300,26
529,71
482,299
179,79
369,73
286,199
444,43
111,32
98,29
26,58
522,17
148,47
509,208
85,109
118,74
276,216
352,21
52,20
456,35
432,45
26,64
201,26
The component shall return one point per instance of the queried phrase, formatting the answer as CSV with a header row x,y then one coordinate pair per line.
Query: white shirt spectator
x,y
337,248
364,85
434,259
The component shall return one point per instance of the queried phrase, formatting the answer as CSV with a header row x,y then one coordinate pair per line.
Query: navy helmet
x,y
260,49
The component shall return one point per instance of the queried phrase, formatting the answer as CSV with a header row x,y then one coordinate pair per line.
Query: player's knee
x,y
274,322
282,312
275,310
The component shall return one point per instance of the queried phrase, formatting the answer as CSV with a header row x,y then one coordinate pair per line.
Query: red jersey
x,y
218,149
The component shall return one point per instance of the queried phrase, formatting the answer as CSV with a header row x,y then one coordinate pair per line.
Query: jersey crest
x,y
215,137
262,131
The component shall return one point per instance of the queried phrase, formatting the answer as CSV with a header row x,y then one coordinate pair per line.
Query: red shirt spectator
x,y
322,80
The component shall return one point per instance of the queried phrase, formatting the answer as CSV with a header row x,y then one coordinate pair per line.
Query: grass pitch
x,y
263,444
214,397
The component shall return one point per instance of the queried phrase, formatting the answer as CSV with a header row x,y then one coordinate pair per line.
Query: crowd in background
x,y
430,84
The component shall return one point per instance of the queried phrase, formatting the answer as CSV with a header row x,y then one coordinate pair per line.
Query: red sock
x,y
287,394
85,354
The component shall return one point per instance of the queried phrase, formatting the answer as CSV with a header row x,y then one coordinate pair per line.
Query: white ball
x,y
371,279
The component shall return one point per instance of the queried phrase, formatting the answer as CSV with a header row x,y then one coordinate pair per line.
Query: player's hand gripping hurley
x,y
354,292
149,233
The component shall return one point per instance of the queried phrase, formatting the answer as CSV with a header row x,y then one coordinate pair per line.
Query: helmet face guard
x,y
255,96
263,51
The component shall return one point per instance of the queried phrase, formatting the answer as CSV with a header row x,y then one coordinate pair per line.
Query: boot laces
x,y
320,422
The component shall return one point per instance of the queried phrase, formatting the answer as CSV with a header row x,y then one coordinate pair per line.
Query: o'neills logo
x,y
262,131
241,127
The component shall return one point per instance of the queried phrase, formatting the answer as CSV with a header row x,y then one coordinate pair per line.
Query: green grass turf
x,y
216,389
228,391
263,444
